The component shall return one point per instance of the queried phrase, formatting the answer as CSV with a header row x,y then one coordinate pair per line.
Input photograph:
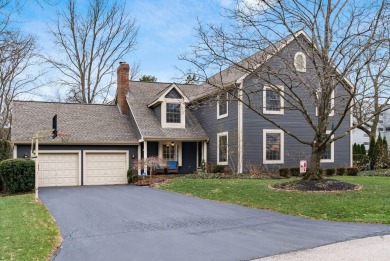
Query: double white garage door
x,y
98,168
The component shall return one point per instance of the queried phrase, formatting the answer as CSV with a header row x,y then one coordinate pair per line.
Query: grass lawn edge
x,y
345,198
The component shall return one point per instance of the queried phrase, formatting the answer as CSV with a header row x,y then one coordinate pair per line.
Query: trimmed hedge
x,y
352,171
330,172
341,171
17,175
295,172
284,172
218,169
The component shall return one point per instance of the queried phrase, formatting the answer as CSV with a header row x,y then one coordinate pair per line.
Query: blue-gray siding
x,y
206,114
157,111
253,124
152,148
173,94
292,120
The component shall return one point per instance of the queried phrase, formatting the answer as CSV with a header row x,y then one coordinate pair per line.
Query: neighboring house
x,y
360,137
178,122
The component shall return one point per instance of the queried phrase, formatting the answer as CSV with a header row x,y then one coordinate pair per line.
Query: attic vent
x,y
300,62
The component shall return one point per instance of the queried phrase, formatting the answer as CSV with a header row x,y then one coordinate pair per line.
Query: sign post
x,y
302,166
35,153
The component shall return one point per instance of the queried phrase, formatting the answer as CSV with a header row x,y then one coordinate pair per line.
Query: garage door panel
x,y
58,169
105,168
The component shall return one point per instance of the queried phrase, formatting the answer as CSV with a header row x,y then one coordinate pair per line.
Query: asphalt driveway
x,y
139,223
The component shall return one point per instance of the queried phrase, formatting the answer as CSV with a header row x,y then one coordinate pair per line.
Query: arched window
x,y
300,62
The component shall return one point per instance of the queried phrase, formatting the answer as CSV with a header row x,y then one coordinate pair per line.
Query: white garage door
x,y
105,168
58,169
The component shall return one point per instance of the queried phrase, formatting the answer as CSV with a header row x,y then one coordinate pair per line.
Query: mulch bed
x,y
324,185
155,180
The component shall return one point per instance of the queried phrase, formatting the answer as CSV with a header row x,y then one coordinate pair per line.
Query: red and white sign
x,y
302,166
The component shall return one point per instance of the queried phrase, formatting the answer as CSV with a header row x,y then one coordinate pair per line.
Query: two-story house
x,y
185,123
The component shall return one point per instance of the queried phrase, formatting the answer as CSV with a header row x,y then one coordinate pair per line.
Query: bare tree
x,y
337,34
17,58
135,70
373,95
89,45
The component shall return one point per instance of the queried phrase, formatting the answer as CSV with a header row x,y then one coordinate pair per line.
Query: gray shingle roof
x,y
139,96
234,72
86,123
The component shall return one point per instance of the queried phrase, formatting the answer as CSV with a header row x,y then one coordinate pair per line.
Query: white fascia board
x,y
162,97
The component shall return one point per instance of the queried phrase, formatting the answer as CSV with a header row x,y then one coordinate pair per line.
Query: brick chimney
x,y
123,85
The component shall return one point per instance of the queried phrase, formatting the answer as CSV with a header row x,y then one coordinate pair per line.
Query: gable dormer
x,y
169,106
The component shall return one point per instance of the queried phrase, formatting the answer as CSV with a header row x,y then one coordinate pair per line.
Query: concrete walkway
x,y
371,248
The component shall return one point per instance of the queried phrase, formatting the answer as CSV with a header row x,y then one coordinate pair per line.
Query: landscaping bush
x,y
284,172
131,177
330,172
5,150
17,175
340,171
227,170
295,172
352,171
218,169
5,153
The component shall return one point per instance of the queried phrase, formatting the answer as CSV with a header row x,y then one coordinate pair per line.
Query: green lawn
x,y
372,204
27,230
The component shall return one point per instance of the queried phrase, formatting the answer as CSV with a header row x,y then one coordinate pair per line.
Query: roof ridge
x,y
189,84
66,103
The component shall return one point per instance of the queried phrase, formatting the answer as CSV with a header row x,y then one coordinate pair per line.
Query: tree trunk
x,y
313,172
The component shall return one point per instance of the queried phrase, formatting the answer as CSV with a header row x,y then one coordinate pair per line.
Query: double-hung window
x,y
173,113
222,148
222,105
273,146
273,101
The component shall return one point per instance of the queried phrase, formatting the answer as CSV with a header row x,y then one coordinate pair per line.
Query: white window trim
x,y
331,104
281,90
331,160
178,145
227,108
304,61
227,150
265,132
164,122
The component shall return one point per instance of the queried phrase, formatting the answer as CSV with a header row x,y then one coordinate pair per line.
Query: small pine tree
x,y
379,151
5,150
354,149
371,153
385,152
358,149
363,149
